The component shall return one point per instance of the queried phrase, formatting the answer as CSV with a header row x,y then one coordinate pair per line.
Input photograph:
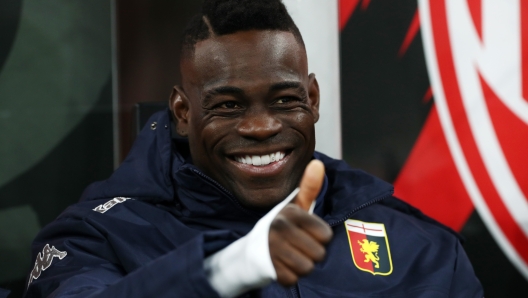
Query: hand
x,y
296,238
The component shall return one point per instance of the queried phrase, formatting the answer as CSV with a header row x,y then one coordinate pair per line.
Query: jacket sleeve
x,y
464,283
92,268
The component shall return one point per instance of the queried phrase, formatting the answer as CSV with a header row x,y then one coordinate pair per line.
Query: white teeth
x,y
265,159
260,160
256,161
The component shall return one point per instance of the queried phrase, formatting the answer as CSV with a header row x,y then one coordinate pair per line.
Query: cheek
x,y
303,123
215,133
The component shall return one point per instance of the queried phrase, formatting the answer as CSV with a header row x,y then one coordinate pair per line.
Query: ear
x,y
179,105
313,94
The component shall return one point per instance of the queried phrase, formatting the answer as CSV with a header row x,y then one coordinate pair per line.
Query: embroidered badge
x,y
106,206
44,260
369,246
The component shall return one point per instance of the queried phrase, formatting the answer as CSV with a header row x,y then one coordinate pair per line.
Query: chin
x,y
263,199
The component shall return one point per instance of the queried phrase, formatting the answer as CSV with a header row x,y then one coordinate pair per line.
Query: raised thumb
x,y
311,184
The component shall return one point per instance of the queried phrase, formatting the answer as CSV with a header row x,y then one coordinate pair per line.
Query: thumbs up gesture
x,y
296,238
296,241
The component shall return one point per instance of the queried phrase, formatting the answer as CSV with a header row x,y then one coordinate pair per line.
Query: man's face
x,y
248,107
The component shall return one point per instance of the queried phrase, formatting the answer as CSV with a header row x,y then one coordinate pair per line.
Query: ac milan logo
x,y
477,57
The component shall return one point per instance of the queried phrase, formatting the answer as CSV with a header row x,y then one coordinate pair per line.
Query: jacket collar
x,y
145,172
349,190
159,170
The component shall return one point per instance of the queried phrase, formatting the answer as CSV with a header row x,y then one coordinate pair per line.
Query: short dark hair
x,y
221,17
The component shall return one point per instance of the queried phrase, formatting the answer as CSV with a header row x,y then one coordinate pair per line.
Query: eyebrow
x,y
221,90
231,90
286,85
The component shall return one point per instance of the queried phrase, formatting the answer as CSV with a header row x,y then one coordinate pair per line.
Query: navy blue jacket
x,y
168,216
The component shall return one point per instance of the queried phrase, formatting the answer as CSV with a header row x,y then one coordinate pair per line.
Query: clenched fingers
x,y
310,224
296,241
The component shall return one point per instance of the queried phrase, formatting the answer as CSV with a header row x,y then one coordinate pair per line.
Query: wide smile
x,y
263,164
260,160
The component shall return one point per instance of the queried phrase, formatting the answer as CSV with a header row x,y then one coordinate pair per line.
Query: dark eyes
x,y
284,102
288,99
229,105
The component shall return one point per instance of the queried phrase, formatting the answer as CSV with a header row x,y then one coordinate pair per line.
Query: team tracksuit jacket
x,y
146,230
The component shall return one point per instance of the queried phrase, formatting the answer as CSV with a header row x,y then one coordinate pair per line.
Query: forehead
x,y
245,57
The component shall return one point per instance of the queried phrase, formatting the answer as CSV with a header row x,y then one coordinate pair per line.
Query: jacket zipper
x,y
294,292
335,223
224,191
236,202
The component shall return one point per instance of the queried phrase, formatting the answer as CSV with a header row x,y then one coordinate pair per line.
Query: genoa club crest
x,y
369,246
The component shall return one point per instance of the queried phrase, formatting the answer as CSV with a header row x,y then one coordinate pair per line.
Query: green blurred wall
x,y
55,117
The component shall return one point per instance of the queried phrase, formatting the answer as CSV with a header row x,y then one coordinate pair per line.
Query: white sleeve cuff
x,y
246,263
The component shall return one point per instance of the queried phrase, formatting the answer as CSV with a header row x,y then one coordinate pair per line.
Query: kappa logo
x,y
369,246
44,260
106,206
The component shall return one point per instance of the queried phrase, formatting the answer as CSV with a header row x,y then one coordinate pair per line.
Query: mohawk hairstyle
x,y
221,17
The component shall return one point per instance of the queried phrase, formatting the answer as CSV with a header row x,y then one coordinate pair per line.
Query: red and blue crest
x,y
369,246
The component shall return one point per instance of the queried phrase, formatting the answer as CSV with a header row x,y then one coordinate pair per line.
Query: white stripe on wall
x,y
318,22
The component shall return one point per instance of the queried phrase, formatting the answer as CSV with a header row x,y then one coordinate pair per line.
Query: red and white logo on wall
x,y
477,57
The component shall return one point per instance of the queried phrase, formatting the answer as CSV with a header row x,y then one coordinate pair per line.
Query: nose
x,y
259,126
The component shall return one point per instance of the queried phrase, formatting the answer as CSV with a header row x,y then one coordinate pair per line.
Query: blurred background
x,y
71,72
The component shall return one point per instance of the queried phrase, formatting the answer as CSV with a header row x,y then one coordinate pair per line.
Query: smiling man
x,y
223,194
248,107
